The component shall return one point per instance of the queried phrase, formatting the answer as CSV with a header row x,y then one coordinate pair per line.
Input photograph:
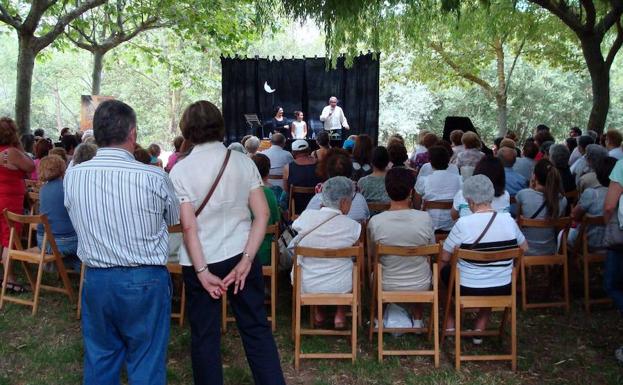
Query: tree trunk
x,y
25,68
600,81
96,77
500,94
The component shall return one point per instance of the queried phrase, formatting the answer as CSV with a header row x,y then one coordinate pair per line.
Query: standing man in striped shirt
x,y
121,209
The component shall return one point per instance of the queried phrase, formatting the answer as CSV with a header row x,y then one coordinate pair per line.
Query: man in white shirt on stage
x,y
333,117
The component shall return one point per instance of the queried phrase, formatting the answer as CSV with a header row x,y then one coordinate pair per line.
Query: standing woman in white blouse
x,y
220,243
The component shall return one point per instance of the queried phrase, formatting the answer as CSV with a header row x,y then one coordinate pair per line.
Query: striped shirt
x,y
502,235
120,209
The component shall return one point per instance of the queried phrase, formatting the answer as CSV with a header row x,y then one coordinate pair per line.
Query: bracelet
x,y
202,269
245,254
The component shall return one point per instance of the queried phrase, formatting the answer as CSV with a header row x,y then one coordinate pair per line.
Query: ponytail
x,y
547,175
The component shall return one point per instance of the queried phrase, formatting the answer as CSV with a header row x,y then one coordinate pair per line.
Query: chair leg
x,y
37,288
587,295
5,280
514,336
297,334
224,312
28,273
435,327
457,334
79,308
379,332
372,311
524,288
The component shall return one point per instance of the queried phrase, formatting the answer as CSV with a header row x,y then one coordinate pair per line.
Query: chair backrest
x,y
32,185
33,201
344,252
275,177
292,202
15,240
378,207
481,256
572,196
175,228
588,220
408,251
439,205
562,223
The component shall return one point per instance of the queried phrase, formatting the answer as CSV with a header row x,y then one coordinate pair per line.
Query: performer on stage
x,y
280,124
298,128
333,117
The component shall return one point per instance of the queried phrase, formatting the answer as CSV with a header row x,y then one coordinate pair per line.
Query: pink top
x,y
171,162
34,175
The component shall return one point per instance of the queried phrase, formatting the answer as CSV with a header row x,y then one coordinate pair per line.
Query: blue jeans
x,y
613,278
125,321
68,246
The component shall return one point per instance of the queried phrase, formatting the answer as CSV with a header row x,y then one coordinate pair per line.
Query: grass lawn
x,y
554,348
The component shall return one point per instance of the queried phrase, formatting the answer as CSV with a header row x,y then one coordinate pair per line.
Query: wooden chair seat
x,y
310,299
507,303
381,297
33,255
558,259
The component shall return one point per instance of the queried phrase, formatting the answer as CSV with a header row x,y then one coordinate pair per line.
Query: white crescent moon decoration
x,y
267,88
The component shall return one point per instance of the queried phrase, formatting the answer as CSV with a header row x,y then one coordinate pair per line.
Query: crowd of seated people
x,y
535,178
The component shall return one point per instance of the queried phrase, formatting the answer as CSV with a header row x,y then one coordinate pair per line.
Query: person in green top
x,y
263,165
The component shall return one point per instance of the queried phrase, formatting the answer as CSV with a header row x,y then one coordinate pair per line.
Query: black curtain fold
x,y
300,84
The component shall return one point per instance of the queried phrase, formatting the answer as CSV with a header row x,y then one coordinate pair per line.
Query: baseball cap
x,y
300,145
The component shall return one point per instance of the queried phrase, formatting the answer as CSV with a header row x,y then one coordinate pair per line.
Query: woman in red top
x,y
14,166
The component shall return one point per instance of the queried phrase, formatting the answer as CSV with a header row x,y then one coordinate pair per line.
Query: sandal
x,y
16,288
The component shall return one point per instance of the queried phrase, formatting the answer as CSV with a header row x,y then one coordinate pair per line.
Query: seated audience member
x,y
39,133
263,165
398,156
362,154
514,180
613,144
419,146
397,138
60,152
88,137
402,226
574,133
324,145
559,156
439,186
372,187
237,147
348,145
525,165
540,138
174,157
64,131
591,203
481,279
496,145
492,168
154,153
594,154
278,158
300,172
51,203
471,155
423,157
83,153
457,145
427,168
251,145
69,143
142,155
337,163
42,149
579,167
543,200
328,227
572,144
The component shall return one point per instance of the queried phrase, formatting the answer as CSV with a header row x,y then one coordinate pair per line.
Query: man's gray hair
x,y
252,144
335,190
594,154
84,152
333,97
478,189
559,155
237,147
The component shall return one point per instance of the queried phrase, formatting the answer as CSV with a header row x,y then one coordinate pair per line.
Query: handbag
x,y
613,235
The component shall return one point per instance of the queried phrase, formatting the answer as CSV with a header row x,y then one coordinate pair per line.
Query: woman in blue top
x,y
51,203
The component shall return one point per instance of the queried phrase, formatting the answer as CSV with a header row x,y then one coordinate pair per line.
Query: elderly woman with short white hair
x,y
328,227
252,144
484,230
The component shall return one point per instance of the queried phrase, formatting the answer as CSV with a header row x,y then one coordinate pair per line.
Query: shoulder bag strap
x,y
314,229
495,213
536,214
214,185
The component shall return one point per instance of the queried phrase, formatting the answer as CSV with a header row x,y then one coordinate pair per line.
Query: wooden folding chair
x,y
438,205
271,273
558,259
34,255
461,302
308,299
378,207
588,257
32,185
381,297
33,201
175,268
292,204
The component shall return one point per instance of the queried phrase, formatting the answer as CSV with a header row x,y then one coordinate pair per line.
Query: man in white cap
x,y
301,173
333,117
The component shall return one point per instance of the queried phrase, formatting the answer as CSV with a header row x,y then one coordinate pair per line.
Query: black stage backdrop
x,y
300,84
